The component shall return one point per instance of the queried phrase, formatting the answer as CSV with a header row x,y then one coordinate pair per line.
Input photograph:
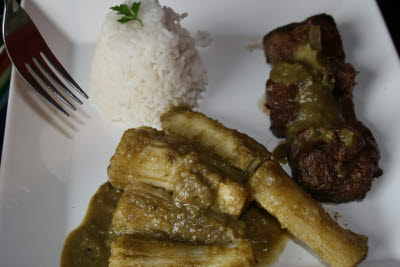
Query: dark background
x,y
388,10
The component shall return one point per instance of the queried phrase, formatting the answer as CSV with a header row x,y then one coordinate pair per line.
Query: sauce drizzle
x,y
89,244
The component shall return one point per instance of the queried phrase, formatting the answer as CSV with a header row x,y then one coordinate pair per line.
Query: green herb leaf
x,y
123,9
135,8
124,19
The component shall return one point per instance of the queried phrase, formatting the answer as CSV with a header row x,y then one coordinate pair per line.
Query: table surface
x,y
389,13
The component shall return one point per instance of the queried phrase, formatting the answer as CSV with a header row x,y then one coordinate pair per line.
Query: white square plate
x,y
52,165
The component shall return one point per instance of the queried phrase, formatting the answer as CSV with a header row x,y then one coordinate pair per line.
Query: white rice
x,y
139,72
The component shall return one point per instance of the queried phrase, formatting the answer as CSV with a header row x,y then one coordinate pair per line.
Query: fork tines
x,y
41,69
34,60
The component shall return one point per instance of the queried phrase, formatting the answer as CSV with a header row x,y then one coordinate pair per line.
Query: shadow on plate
x,y
363,93
62,47
380,263
46,111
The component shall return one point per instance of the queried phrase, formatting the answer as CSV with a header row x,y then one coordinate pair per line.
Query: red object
x,y
4,61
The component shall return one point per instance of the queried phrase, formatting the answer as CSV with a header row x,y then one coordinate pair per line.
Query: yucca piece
x,y
305,218
128,251
147,211
151,156
218,163
236,148
271,187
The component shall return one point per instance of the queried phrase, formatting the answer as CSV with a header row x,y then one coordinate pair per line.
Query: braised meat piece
x,y
283,106
281,43
332,171
332,154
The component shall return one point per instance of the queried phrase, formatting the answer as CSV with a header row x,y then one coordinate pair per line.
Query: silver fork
x,y
29,52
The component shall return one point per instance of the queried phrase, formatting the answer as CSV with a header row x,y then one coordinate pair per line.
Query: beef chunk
x,y
334,171
280,43
331,170
283,106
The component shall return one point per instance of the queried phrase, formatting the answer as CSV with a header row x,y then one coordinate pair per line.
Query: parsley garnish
x,y
123,9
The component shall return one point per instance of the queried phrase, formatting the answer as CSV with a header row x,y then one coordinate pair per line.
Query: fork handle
x,y
11,4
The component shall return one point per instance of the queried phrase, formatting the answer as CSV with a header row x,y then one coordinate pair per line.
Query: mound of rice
x,y
139,72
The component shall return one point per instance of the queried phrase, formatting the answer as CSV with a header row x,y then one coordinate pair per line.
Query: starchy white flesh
x,y
271,187
147,211
128,251
268,184
151,156
236,148
305,218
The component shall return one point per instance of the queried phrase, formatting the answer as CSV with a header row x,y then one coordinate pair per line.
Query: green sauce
x,y
347,136
280,153
90,243
317,106
289,72
267,236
